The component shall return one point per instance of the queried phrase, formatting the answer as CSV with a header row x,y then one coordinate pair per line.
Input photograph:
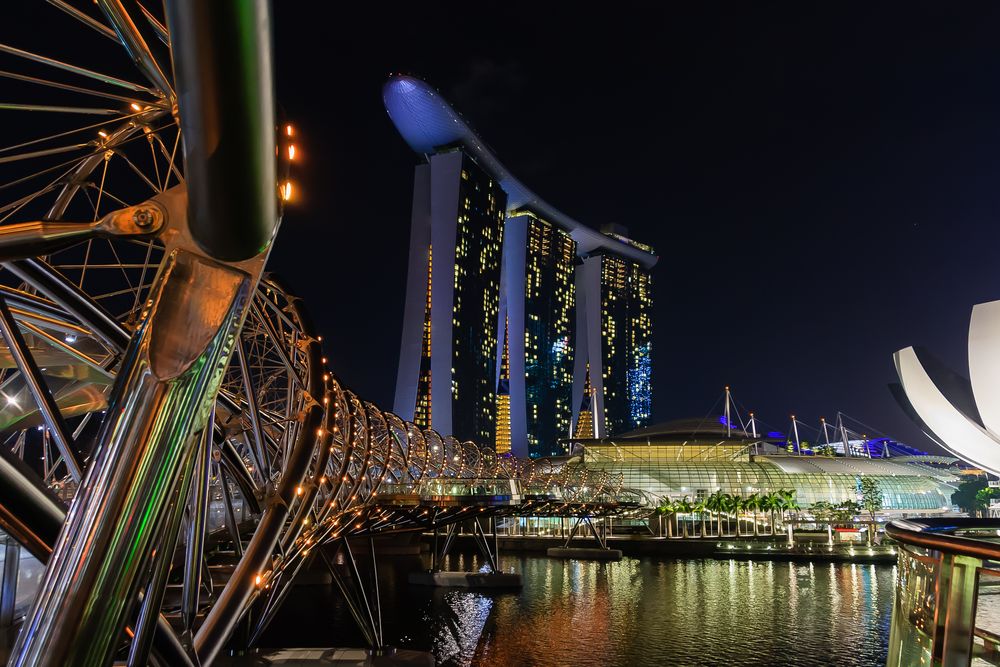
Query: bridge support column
x,y
438,556
486,541
602,552
361,595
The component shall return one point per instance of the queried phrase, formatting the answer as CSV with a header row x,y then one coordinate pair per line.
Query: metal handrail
x,y
938,534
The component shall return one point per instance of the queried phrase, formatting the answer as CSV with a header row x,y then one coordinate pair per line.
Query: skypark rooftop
x,y
428,123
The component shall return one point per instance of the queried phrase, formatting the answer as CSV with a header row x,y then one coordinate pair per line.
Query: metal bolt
x,y
144,217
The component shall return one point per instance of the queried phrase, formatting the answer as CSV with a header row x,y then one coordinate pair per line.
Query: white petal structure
x,y
968,429
984,363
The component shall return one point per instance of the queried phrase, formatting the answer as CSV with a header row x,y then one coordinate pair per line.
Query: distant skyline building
x,y
510,303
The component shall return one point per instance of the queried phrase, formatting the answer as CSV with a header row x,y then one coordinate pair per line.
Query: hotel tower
x,y
521,326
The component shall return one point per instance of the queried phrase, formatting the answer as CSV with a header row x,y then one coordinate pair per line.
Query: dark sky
x,y
820,181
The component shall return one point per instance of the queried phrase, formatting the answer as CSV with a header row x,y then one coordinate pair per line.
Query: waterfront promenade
x,y
807,547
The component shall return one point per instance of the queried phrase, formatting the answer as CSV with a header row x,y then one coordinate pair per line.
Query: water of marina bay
x,y
638,611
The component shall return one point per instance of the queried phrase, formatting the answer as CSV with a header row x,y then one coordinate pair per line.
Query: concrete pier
x,y
466,579
584,553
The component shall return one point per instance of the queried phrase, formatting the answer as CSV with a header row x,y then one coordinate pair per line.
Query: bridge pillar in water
x,y
601,552
487,544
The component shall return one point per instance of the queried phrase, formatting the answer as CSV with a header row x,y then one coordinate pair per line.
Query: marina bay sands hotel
x,y
521,325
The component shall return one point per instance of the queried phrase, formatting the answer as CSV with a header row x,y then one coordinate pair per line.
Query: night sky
x,y
820,182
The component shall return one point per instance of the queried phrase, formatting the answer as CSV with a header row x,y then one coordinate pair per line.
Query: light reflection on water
x,y
635,612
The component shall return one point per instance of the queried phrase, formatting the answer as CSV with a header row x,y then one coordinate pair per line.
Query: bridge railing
x,y
443,490
947,607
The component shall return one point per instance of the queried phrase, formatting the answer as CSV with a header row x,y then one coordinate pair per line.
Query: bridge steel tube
x,y
32,515
194,547
162,397
241,588
65,294
130,37
32,377
222,70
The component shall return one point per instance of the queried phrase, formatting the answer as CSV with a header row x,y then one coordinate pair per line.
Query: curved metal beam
x,y
32,515
131,39
222,71
55,287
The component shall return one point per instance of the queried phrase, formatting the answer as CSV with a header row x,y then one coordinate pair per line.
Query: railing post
x,y
955,612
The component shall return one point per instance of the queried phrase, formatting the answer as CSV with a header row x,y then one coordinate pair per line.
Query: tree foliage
x,y
838,514
871,495
967,495
983,497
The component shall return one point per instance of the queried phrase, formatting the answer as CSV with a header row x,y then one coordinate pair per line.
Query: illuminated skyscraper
x,y
448,354
538,304
614,339
496,354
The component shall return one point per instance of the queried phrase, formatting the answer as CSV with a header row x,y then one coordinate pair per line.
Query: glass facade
x,y
549,319
626,343
482,205
666,472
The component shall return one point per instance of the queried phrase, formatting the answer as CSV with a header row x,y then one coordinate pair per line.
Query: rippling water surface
x,y
634,612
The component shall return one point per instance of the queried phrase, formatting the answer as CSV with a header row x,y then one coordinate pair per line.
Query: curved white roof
x,y
427,122
851,466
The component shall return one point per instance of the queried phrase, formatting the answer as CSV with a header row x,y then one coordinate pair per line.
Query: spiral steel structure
x,y
167,412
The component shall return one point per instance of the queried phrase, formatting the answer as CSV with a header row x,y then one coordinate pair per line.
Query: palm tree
x,y
750,504
675,508
739,506
671,509
753,503
769,503
715,503
784,502
700,508
665,509
780,503
730,504
788,501
684,506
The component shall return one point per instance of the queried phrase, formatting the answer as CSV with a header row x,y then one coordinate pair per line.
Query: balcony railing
x,y
947,608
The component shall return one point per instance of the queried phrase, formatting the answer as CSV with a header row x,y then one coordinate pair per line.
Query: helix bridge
x,y
175,447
